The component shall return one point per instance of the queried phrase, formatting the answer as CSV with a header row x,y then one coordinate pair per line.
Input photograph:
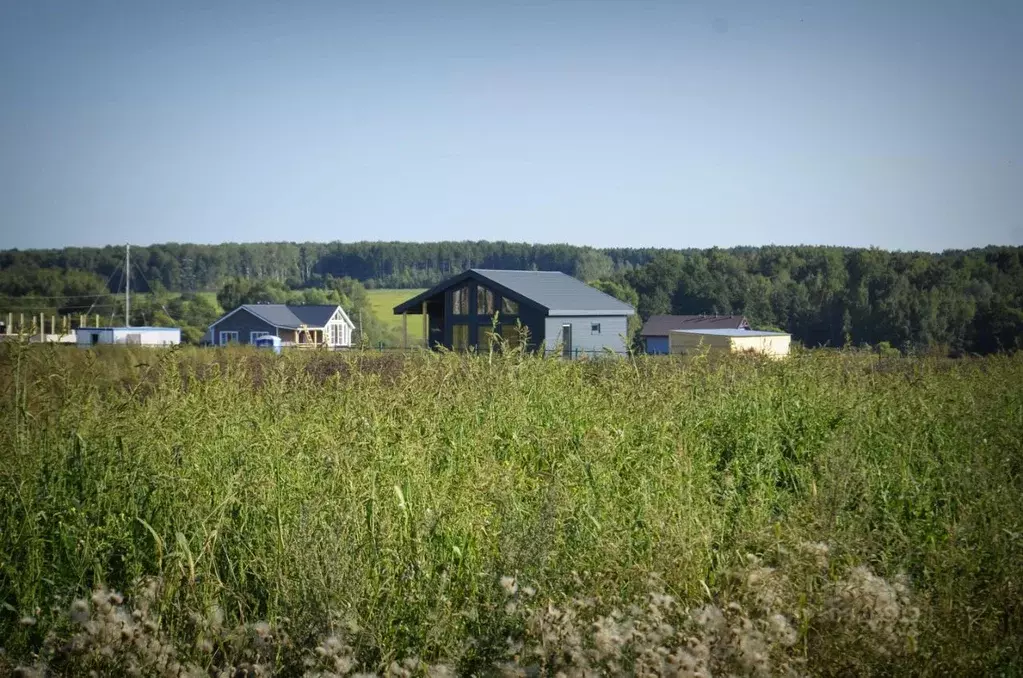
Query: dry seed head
x,y
441,671
509,585
818,551
782,630
28,672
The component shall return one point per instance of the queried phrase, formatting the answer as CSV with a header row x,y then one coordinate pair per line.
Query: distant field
x,y
383,303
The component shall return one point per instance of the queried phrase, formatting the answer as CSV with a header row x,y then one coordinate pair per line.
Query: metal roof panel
x,y
559,293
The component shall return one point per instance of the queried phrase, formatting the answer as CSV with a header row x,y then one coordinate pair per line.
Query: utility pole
x,y
127,284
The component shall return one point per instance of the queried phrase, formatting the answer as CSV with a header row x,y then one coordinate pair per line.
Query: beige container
x,y
772,344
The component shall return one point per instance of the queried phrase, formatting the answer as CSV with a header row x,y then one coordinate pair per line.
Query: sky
x,y
611,123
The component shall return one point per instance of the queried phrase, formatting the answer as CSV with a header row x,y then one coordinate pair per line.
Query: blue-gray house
x,y
296,325
556,310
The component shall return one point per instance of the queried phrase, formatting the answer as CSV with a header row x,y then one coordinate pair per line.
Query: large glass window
x,y
488,339
509,307
460,301
460,337
484,301
511,335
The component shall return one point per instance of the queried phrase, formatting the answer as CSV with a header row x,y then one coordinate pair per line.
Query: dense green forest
x,y
955,301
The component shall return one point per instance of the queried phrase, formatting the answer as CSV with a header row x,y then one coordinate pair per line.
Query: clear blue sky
x,y
895,123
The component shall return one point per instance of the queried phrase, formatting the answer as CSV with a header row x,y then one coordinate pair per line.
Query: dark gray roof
x,y
290,317
660,325
314,316
558,293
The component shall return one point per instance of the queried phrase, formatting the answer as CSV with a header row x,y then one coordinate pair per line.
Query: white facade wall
x,y
89,336
339,327
134,336
681,343
774,347
613,331
692,341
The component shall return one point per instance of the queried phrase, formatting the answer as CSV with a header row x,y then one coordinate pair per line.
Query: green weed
x,y
335,513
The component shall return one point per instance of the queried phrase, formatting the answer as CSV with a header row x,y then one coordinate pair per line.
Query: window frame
x,y
594,329
512,334
256,334
227,333
455,346
484,292
457,293
487,338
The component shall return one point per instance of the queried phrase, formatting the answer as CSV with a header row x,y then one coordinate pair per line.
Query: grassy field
x,y
430,514
383,303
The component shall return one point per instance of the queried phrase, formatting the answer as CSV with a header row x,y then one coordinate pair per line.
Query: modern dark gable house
x,y
554,307
657,328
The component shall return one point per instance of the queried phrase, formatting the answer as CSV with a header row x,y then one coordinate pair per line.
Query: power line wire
x,y
150,288
107,285
27,309
56,296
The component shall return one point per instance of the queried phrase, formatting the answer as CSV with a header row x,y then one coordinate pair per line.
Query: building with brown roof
x,y
657,328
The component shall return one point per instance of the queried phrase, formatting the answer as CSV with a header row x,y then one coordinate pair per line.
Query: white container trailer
x,y
771,344
127,336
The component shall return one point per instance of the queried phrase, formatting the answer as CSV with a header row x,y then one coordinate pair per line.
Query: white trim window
x,y
339,334
227,337
256,335
336,332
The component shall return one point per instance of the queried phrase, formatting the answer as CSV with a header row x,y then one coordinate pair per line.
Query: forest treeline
x,y
959,301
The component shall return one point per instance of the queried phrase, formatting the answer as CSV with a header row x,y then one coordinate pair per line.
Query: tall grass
x,y
370,506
